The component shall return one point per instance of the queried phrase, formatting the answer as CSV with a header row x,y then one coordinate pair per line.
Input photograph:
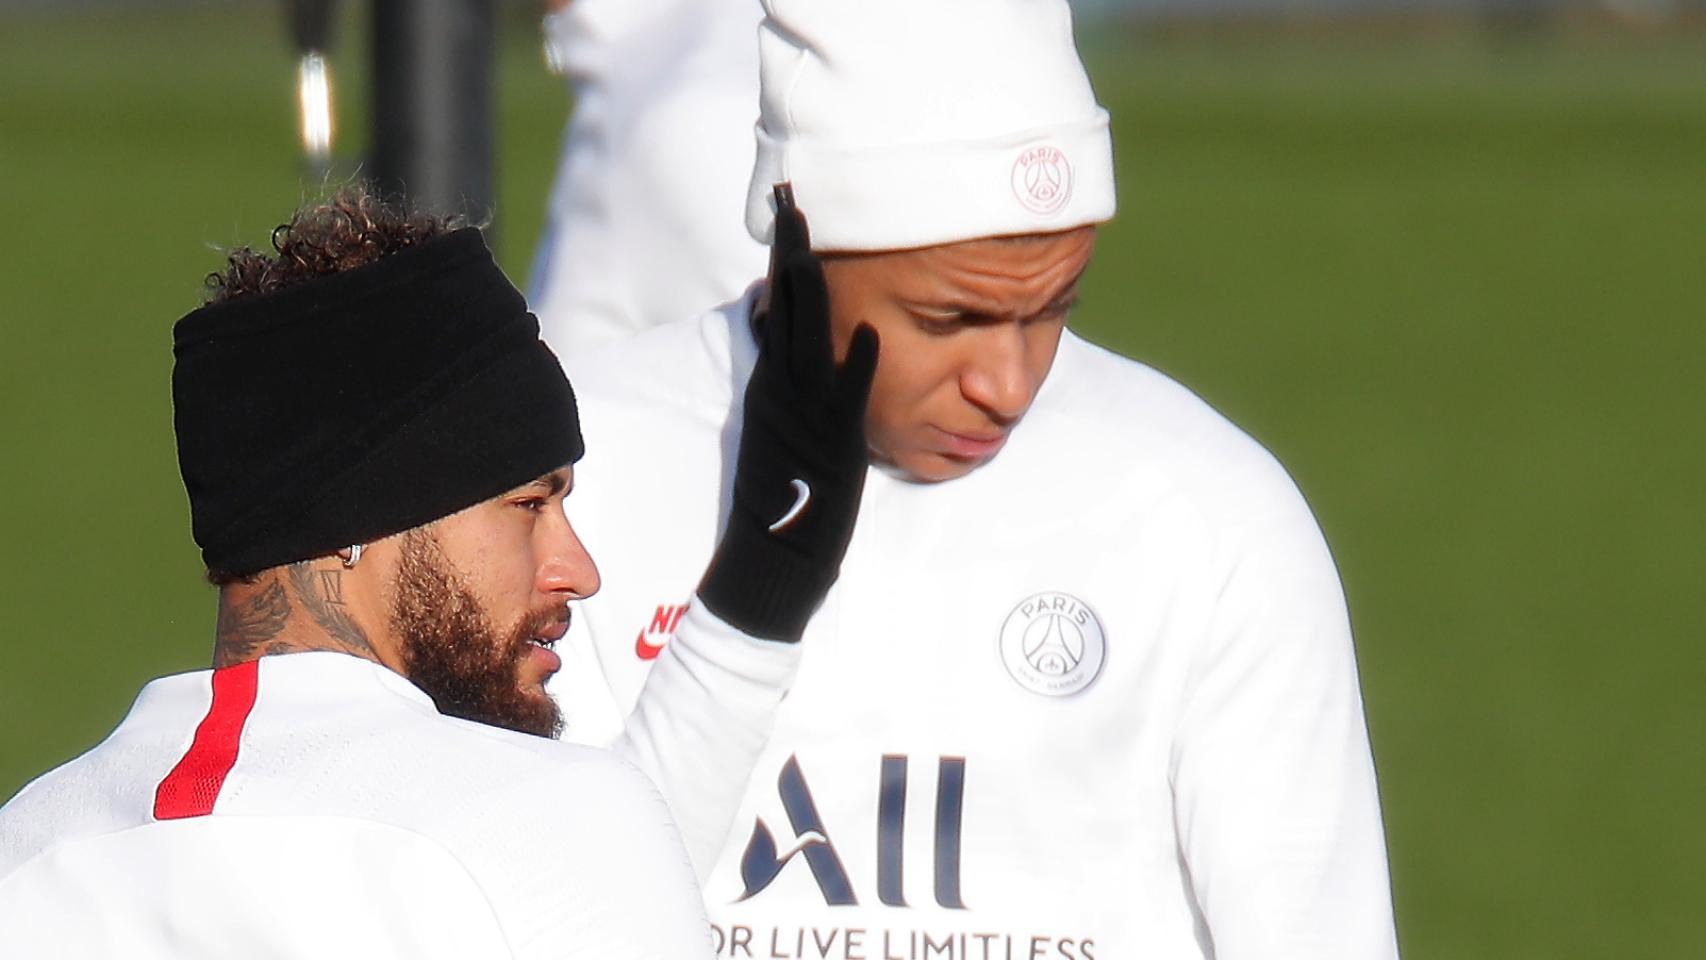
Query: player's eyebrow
x,y
1066,301
956,307
554,482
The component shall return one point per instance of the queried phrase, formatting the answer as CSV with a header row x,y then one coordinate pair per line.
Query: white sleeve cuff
x,y
702,719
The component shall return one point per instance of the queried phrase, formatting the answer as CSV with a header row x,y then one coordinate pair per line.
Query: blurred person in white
x,y
1086,688
377,447
653,169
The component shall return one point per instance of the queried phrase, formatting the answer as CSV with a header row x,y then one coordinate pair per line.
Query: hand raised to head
x,y
801,467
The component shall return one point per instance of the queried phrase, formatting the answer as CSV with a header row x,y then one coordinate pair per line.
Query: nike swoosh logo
x,y
644,650
802,494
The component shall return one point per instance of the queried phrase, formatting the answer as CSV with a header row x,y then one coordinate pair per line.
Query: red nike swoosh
x,y
644,650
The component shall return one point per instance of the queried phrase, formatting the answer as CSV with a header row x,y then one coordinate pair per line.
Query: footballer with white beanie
x,y
1085,688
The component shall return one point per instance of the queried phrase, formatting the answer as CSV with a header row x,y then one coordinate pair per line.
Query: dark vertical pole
x,y
432,103
311,34
310,25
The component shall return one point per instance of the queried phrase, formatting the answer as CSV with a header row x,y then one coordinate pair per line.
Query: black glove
x,y
802,457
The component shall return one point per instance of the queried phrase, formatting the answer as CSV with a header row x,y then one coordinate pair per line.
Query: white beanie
x,y
910,123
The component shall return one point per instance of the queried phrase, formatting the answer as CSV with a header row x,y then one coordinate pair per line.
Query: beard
x,y
453,653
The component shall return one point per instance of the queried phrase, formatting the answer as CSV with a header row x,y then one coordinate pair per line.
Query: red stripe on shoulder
x,y
194,784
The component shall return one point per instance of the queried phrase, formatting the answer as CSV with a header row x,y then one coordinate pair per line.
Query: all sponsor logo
x,y
652,639
963,935
1052,643
1042,179
764,859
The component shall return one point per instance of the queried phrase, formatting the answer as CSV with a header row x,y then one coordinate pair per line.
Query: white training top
x,y
316,805
1095,700
647,220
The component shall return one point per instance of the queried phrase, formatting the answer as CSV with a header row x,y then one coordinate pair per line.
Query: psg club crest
x,y
1052,643
1042,180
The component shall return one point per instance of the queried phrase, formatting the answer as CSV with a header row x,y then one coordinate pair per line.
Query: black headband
x,y
360,404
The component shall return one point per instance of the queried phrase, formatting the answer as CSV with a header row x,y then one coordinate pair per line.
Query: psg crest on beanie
x,y
1052,643
1042,179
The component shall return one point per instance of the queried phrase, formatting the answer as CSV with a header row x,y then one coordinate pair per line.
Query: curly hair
x,y
352,228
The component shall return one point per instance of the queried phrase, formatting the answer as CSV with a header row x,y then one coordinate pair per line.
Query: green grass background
x,y
1456,283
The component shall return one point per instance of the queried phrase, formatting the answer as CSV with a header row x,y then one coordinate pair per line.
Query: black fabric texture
x,y
804,421
360,404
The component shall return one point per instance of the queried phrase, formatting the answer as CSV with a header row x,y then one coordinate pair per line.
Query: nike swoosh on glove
x,y
802,460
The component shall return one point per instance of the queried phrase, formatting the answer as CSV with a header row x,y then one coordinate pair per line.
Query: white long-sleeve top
x,y
316,805
1095,700
646,221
